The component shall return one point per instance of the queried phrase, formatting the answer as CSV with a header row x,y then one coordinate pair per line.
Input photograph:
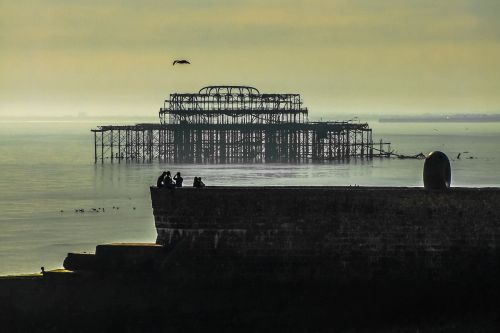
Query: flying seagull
x,y
181,62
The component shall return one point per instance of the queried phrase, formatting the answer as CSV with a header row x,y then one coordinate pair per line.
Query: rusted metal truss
x,y
235,124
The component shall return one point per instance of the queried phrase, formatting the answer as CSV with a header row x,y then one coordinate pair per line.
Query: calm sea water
x,y
47,167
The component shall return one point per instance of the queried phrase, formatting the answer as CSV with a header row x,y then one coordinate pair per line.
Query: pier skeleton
x,y
235,124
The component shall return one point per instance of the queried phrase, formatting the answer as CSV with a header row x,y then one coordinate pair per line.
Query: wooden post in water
x,y
95,147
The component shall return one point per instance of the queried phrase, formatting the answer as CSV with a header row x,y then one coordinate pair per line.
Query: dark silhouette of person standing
x,y
168,182
161,180
178,179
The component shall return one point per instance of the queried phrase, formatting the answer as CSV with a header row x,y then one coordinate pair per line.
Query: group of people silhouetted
x,y
166,180
197,182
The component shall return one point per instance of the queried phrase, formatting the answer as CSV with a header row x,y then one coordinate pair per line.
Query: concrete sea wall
x,y
339,233
273,259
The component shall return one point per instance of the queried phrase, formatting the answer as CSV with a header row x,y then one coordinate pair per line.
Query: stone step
x,y
117,257
81,262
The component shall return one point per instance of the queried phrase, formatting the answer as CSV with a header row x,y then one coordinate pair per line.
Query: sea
x,y
47,174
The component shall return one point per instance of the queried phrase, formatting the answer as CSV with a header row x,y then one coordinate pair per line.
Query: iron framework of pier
x,y
235,124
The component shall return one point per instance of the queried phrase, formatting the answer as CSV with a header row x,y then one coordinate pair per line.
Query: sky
x,y
366,57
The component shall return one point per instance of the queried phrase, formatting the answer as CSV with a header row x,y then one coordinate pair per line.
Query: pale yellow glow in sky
x,y
344,56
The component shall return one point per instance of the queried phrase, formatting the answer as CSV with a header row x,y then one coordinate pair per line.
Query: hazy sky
x,y
344,56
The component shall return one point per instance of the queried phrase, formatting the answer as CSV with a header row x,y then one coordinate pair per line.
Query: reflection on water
x,y
46,168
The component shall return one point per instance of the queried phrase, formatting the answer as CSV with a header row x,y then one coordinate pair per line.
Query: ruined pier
x,y
236,124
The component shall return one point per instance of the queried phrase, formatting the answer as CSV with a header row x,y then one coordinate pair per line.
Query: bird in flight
x,y
181,62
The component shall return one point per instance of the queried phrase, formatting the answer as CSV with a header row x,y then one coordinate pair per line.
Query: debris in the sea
x,y
419,156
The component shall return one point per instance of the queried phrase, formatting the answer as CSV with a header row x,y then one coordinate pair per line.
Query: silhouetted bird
x,y
458,156
180,62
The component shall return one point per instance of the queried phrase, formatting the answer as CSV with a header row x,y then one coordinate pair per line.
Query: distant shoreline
x,y
443,119
465,118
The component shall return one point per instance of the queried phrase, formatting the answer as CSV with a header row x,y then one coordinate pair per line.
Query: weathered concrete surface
x,y
339,233
111,302
282,259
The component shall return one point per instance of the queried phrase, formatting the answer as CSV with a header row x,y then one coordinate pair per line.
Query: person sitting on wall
x,y
168,182
198,183
178,179
161,180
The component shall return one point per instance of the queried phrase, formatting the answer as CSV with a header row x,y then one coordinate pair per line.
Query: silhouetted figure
x,y
168,182
458,156
178,179
43,270
198,183
182,62
159,182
